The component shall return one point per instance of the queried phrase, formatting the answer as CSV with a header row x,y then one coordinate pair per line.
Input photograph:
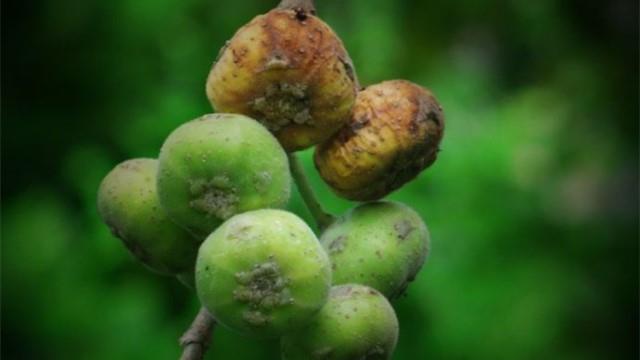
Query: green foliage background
x,y
532,205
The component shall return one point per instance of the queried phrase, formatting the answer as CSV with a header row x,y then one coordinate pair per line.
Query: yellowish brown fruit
x,y
393,134
291,72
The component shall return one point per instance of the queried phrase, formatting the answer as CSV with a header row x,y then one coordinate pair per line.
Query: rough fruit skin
x,y
393,135
291,72
380,244
263,273
357,323
128,203
217,166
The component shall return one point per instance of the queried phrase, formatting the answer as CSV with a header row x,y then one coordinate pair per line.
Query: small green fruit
x,y
128,204
263,273
217,166
379,244
356,323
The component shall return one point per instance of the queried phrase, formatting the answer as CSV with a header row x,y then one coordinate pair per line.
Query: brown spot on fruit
x,y
337,244
403,228
215,197
262,288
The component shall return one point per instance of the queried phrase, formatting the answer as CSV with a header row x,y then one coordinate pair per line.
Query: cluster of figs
x,y
209,209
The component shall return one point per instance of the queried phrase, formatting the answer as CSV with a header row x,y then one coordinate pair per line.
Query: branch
x,y
322,218
298,5
195,340
187,279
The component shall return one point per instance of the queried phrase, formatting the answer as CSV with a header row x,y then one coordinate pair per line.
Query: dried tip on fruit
x,y
217,166
263,273
394,134
128,203
356,323
291,72
380,244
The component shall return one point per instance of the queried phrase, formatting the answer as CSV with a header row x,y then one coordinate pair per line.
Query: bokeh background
x,y
532,205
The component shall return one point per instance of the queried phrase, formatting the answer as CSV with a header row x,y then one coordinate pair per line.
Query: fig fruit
x,y
380,244
356,323
128,203
217,166
291,72
394,134
263,273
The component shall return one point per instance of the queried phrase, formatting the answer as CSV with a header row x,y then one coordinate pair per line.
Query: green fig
x,y
356,323
263,273
380,244
217,166
128,203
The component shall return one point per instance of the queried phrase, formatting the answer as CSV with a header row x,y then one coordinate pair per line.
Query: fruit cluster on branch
x,y
210,209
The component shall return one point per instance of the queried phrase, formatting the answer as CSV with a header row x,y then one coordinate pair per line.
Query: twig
x,y
187,279
322,218
195,340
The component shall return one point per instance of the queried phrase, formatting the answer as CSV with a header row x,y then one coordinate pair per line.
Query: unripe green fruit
x,y
394,133
290,71
263,273
217,166
356,323
380,244
128,204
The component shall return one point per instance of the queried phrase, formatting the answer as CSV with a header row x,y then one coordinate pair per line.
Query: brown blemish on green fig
x,y
404,228
263,289
337,244
216,197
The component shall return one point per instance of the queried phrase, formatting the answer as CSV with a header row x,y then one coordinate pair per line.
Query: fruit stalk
x,y
322,218
304,5
195,341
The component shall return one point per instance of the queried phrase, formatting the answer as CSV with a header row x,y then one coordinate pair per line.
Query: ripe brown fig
x,y
394,134
288,70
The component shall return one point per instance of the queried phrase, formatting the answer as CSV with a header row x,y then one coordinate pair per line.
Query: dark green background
x,y
532,205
